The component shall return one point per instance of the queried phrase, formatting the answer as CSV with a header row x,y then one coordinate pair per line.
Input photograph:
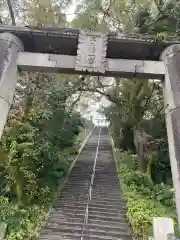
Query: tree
x,y
44,13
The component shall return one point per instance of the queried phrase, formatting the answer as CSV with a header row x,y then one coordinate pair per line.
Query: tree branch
x,y
10,6
76,101
149,98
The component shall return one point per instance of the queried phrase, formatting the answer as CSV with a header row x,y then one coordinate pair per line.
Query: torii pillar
x,y
10,45
171,58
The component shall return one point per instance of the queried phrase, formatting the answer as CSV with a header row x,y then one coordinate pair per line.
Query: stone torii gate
x,y
73,51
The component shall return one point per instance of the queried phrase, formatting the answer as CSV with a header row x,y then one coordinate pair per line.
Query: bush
x,y
141,210
25,222
37,157
144,199
139,179
165,195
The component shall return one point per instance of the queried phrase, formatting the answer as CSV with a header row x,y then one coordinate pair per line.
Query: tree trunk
x,y
149,165
138,142
10,6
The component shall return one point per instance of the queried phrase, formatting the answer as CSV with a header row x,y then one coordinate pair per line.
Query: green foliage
x,y
162,20
36,154
161,169
139,179
22,222
144,199
141,210
165,195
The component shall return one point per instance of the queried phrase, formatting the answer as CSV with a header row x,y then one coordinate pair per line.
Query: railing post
x,y
10,45
171,58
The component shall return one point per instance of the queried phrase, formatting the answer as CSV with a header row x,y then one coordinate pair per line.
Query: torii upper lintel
x,y
65,41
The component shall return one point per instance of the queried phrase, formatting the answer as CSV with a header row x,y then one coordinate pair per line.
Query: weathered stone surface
x,y
162,227
65,41
91,53
41,62
171,58
10,45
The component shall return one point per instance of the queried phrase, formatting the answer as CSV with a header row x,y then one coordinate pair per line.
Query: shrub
x,y
139,179
36,161
25,222
165,194
144,200
141,210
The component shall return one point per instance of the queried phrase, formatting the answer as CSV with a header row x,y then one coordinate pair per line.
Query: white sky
x,y
94,105
70,11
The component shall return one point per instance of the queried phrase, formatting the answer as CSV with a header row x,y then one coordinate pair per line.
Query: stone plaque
x,y
91,53
163,228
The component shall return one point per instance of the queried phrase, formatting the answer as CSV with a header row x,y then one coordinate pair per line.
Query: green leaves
x,y
144,200
45,13
37,149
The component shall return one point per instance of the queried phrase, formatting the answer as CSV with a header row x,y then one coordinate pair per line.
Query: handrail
x,y
90,188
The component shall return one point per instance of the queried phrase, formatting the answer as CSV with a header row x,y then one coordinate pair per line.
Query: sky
x,y
70,11
93,109
94,105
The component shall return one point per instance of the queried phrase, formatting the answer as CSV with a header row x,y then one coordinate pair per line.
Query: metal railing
x,y
90,189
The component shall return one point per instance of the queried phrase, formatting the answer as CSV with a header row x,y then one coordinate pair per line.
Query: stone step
x,y
91,205
57,237
95,195
71,201
95,219
113,233
108,228
100,217
121,221
92,215
91,226
109,197
98,199
99,182
104,183
106,212
74,236
91,220
83,174
89,231
112,193
74,190
95,237
92,208
86,183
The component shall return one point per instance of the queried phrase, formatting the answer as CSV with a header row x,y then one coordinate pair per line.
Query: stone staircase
x,y
106,214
